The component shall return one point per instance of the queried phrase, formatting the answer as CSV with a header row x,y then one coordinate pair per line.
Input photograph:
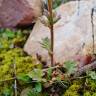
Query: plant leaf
x,y
36,74
70,66
92,74
9,34
46,44
25,78
38,87
49,72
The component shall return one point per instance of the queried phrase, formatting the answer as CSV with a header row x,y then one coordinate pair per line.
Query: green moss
x,y
77,86
94,94
73,90
87,94
9,39
24,64
10,55
92,85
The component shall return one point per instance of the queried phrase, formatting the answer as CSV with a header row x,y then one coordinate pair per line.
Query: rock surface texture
x,y
14,12
73,33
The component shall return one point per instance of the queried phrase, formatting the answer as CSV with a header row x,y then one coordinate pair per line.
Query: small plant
x,y
22,75
70,67
46,44
49,18
91,74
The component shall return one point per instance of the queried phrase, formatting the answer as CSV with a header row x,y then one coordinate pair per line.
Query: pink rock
x,y
14,12
72,33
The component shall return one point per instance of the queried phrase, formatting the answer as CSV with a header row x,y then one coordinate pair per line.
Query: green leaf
x,y
33,92
92,74
25,78
70,66
36,74
8,33
38,87
7,92
57,3
46,43
49,72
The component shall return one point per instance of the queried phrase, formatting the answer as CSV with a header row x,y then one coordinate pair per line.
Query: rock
x,y
22,12
73,33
